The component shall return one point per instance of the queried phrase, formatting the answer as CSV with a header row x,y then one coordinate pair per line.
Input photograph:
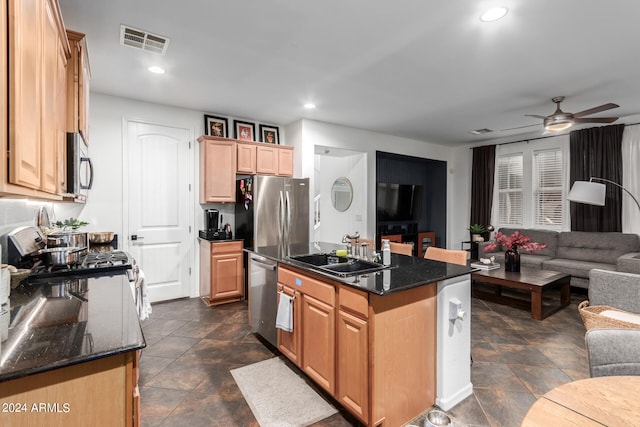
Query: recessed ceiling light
x,y
309,106
494,14
156,70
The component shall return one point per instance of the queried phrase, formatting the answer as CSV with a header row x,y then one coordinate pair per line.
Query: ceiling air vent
x,y
140,39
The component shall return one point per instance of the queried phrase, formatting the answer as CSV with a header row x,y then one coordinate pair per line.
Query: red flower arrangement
x,y
515,241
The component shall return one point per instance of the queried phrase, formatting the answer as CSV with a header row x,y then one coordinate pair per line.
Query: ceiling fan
x,y
560,120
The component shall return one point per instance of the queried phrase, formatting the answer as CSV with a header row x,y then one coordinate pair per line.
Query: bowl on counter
x,y
100,238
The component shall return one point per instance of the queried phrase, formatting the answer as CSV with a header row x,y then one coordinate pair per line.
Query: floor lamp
x,y
593,193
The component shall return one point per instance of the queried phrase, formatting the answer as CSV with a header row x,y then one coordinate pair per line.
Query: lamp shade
x,y
591,193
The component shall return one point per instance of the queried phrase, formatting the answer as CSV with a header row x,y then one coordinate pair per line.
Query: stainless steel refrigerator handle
x,y
287,224
281,219
264,264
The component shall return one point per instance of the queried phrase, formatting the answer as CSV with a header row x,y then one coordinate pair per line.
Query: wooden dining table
x,y
600,401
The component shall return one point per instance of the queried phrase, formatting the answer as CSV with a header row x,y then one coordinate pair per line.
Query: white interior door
x,y
158,208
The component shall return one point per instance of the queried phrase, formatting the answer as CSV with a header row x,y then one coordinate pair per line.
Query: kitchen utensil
x,y
62,256
67,238
43,218
100,238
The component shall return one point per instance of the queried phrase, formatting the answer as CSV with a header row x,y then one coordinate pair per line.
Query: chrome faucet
x,y
353,248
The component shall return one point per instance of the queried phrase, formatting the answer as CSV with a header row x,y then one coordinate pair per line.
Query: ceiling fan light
x,y
494,14
557,124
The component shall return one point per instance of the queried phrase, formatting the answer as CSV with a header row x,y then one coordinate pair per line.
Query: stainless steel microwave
x,y
79,167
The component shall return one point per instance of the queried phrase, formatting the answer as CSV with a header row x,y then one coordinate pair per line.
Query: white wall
x,y
335,224
305,134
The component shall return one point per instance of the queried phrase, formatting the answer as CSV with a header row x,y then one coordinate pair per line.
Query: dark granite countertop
x,y
63,321
404,273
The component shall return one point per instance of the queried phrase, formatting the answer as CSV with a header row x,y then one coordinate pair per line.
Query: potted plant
x,y
476,231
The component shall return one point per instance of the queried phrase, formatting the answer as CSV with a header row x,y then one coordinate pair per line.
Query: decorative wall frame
x,y
269,134
244,131
215,126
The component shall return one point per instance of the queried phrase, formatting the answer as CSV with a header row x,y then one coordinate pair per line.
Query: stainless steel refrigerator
x,y
270,211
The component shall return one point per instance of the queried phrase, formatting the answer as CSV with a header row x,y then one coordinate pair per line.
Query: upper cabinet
x,y
217,170
78,76
37,52
222,158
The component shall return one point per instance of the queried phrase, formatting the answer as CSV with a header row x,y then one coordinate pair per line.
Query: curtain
x,y
631,178
482,173
597,152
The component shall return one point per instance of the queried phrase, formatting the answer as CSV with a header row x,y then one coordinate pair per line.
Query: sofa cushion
x,y
629,263
539,236
597,247
574,267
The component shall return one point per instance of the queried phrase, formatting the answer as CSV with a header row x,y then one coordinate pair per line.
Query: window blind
x,y
510,189
547,188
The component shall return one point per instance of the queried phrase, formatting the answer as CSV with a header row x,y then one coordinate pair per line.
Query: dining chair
x,y
453,256
401,248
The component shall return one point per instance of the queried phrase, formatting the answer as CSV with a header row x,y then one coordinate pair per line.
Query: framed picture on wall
x,y
215,126
244,131
269,134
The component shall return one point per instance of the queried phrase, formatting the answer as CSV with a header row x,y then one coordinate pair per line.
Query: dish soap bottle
x,y
386,252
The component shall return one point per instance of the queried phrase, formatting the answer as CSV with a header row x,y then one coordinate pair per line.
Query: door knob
x,y
136,237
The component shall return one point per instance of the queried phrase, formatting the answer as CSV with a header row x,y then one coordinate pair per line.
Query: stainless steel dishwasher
x,y
263,303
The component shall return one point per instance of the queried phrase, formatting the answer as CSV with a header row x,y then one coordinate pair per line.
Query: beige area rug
x,y
278,396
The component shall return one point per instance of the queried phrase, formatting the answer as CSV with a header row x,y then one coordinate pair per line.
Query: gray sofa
x,y
575,252
614,351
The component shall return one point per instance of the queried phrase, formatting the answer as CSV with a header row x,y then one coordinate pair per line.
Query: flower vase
x,y
512,260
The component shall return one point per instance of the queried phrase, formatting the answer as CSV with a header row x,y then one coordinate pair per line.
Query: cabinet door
x,y
25,47
318,342
246,158
289,342
61,119
83,91
285,162
353,365
217,171
266,160
48,118
226,276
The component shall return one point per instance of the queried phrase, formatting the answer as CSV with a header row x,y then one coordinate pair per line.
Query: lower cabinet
x,y
318,342
289,342
221,274
374,353
353,366
99,392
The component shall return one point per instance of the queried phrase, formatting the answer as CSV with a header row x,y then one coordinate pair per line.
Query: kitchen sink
x,y
338,266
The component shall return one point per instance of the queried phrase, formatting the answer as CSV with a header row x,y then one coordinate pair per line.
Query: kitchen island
x,y
71,357
380,343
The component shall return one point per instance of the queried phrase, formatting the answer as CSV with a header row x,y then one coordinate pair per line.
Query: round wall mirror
x,y
341,194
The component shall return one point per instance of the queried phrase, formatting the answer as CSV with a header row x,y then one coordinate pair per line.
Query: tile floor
x,y
185,379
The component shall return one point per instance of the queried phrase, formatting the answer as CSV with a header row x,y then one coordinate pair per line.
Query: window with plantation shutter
x,y
510,189
547,188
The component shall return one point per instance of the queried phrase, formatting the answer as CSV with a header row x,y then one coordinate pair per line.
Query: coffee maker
x,y
213,227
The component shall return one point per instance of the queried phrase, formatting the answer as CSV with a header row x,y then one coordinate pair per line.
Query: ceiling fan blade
x,y
594,110
596,120
535,115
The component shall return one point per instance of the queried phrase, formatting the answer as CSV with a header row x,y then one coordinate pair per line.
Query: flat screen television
x,y
399,202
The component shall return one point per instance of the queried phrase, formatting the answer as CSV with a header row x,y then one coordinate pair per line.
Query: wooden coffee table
x,y
601,401
531,280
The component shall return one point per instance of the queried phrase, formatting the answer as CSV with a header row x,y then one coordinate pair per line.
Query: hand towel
x,y
142,298
284,319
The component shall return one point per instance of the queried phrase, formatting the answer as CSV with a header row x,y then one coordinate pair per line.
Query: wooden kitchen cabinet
x,y
285,161
267,159
37,49
289,342
217,170
315,301
352,358
78,84
93,392
246,159
374,353
221,271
